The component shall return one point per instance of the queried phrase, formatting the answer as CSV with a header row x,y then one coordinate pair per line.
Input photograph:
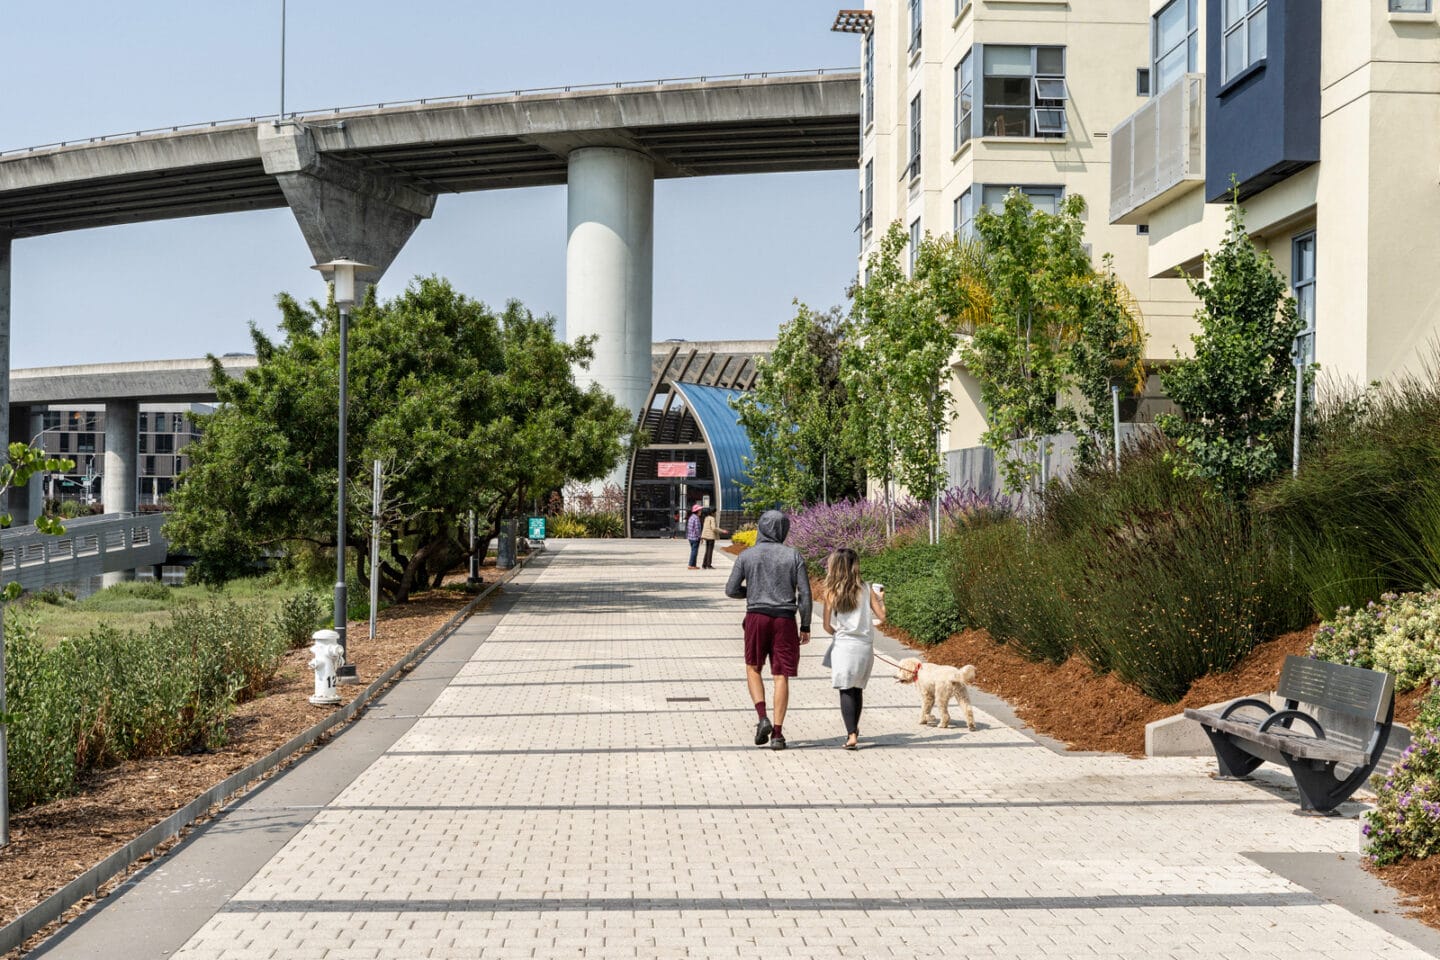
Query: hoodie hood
x,y
773,527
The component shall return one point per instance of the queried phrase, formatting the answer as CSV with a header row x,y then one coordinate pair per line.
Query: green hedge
x,y
917,597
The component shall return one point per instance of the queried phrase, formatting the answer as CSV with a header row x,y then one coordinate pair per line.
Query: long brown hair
x,y
842,579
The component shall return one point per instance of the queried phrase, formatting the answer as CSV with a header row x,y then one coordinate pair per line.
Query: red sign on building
x,y
683,470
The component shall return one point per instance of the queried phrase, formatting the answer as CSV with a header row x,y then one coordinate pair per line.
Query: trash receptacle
x,y
505,548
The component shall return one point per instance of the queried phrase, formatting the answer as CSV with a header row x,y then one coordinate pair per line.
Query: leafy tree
x,y
795,417
1108,351
895,366
1039,274
470,410
1236,395
1044,328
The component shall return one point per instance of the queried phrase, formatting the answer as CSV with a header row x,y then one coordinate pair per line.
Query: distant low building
x,y
78,432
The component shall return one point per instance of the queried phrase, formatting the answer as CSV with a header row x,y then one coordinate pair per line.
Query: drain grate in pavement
x,y
687,699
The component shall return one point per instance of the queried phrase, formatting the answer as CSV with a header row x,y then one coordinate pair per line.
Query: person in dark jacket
x,y
771,578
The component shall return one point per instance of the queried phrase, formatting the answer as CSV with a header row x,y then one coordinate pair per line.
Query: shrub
x,y
603,525
744,537
40,727
298,615
917,597
1400,634
113,695
565,527
1406,818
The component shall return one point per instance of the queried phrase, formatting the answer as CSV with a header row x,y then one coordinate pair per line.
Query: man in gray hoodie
x,y
771,578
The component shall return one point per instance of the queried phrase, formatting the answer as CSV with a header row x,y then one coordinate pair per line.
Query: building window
x,y
177,422
1410,6
144,441
1024,91
65,445
85,443
914,243
1244,43
52,420
1175,42
964,99
867,210
1302,274
1046,199
164,443
915,16
913,170
869,93
965,216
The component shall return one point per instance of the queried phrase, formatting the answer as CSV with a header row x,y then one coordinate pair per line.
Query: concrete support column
x,y
343,210
609,269
26,502
122,421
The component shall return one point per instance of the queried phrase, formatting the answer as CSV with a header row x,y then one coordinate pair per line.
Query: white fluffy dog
x,y
938,684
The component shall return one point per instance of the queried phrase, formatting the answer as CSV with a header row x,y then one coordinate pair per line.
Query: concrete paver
x,y
586,786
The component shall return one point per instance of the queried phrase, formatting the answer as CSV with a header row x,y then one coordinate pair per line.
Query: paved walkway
x,y
584,786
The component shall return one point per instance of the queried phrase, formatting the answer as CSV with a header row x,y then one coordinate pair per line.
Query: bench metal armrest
x,y
1281,715
1245,702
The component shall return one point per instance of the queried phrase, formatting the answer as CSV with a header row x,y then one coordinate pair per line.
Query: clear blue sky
x,y
730,252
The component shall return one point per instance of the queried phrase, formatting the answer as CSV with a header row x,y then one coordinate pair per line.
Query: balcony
x,y
1158,152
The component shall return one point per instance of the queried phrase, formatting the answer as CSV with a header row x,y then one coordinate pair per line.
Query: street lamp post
x,y
342,273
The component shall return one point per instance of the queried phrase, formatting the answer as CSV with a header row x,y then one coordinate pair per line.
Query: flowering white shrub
x,y
1400,634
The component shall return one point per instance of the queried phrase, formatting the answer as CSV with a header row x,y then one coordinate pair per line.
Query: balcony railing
x,y
1158,151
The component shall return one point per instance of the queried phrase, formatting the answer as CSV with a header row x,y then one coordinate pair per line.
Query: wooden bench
x,y
1332,749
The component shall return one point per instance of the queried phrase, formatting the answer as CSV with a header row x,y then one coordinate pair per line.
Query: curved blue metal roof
x,y
729,443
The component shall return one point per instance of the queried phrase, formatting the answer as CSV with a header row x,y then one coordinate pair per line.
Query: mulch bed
x,y
1419,884
55,842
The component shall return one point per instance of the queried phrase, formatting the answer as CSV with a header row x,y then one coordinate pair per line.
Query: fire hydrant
x,y
326,655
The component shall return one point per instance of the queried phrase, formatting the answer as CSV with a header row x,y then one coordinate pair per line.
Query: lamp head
x,y
342,272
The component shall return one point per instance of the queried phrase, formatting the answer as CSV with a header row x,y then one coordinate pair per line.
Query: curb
x,y
53,907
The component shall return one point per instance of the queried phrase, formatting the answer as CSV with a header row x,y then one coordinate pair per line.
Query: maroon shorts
x,y
776,638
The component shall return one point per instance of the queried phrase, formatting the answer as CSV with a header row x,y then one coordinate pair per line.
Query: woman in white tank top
x,y
851,607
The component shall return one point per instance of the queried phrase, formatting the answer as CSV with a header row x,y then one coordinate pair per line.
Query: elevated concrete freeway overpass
x,y
754,123
360,180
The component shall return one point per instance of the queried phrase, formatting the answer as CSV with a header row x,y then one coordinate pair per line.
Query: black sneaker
x,y
762,732
778,743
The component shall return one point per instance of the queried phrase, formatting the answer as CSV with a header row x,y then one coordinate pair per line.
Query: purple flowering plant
x,y
1406,818
861,525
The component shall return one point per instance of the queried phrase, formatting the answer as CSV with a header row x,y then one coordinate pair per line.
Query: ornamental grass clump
x,y
1363,516
1406,818
1008,580
1146,573
1400,635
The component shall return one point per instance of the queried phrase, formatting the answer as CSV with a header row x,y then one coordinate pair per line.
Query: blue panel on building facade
x,y
1264,125
729,443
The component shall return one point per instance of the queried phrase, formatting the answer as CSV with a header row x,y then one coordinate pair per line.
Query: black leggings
x,y
851,700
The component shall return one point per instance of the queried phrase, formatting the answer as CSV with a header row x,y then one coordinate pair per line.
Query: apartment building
x,y
78,432
1326,117
966,99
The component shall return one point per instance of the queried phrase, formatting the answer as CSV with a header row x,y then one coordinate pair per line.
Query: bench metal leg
x,y
1234,763
1320,790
